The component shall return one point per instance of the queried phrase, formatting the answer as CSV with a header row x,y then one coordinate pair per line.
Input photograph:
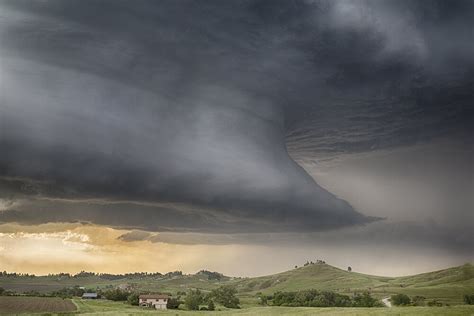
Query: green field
x,y
101,307
104,307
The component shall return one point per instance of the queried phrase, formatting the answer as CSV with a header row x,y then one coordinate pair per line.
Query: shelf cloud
x,y
186,116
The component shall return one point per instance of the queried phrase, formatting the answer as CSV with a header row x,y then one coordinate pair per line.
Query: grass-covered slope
x,y
448,285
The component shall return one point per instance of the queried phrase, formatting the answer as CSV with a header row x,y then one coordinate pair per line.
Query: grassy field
x,y
447,286
25,304
102,307
40,305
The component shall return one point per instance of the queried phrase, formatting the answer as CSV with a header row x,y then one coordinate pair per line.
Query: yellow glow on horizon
x,y
71,248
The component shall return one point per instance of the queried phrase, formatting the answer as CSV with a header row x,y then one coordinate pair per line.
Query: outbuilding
x,y
90,296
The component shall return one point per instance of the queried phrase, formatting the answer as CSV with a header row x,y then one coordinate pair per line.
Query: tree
x,y
173,303
211,305
418,300
365,300
193,300
133,299
469,299
225,295
116,295
349,269
400,299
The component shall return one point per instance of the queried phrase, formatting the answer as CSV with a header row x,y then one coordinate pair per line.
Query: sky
x,y
220,135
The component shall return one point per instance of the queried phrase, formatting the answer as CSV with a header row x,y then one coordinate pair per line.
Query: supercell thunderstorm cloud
x,y
197,115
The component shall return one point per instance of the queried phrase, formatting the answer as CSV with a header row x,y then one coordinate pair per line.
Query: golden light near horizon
x,y
72,248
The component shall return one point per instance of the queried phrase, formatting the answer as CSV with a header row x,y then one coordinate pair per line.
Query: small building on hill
x,y
158,301
90,296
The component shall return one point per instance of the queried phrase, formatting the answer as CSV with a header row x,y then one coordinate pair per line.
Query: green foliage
x,y
211,305
418,300
116,295
435,303
225,295
211,275
400,299
68,292
315,298
263,299
365,300
469,299
173,303
193,300
133,299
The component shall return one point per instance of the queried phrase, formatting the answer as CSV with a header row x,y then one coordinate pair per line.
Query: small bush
x,y
435,303
133,299
400,299
469,299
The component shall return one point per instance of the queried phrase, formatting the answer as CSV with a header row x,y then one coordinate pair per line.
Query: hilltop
x,y
447,285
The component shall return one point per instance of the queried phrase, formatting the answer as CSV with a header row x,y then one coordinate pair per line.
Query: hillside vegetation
x,y
447,286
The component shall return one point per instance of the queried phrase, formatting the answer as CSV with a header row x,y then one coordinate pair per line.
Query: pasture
x,y
40,305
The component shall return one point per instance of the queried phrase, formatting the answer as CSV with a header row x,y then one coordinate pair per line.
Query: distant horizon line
x,y
180,272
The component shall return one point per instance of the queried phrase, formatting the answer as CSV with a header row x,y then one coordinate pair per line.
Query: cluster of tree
x,y
315,298
211,275
173,274
135,275
194,299
469,299
400,300
14,274
116,294
308,263
105,276
224,295
70,292
405,300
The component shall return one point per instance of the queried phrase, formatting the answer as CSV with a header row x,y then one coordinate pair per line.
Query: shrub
x,y
225,295
173,303
316,298
193,300
435,303
418,300
469,299
211,305
400,299
116,295
133,299
365,300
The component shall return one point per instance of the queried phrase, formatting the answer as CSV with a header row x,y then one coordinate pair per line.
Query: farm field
x,y
26,304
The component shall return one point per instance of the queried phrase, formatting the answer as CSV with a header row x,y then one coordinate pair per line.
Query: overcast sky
x,y
336,129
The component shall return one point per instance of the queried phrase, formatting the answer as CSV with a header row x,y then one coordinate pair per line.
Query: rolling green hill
x,y
448,285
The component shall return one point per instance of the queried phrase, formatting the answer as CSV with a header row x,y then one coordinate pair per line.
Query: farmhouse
x,y
158,301
89,296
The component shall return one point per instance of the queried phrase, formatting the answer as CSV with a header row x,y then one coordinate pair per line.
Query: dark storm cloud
x,y
189,103
389,234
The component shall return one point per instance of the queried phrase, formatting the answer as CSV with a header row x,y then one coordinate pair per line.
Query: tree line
x,y
315,298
